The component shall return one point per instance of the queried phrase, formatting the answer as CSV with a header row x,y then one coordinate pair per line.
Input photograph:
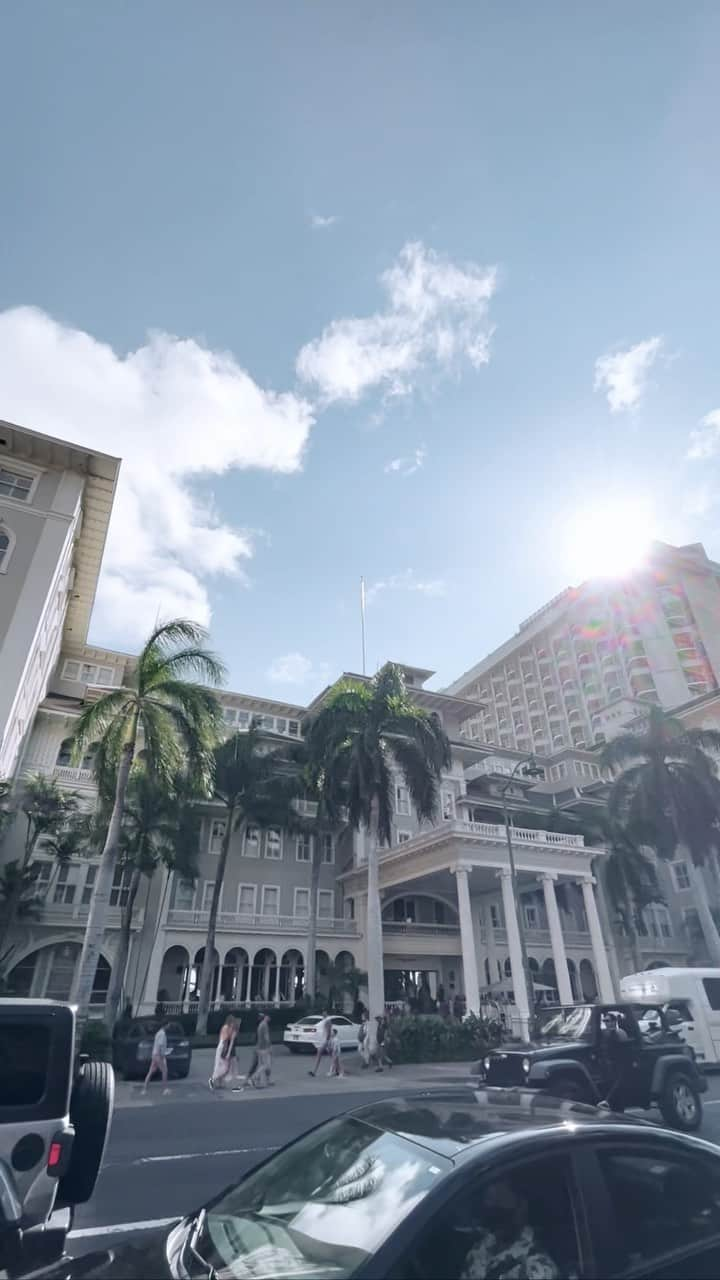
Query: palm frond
x,y
190,660
95,720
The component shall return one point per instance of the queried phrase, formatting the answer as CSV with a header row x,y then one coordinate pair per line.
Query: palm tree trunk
x,y
607,931
707,923
373,930
312,918
634,942
119,969
208,966
100,902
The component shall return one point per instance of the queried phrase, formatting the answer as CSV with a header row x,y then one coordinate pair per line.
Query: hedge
x,y
429,1038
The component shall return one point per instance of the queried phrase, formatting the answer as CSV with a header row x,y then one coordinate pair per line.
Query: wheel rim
x,y
684,1102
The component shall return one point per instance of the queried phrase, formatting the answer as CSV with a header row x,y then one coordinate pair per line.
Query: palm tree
x,y
174,720
667,785
256,784
365,733
160,825
6,813
48,809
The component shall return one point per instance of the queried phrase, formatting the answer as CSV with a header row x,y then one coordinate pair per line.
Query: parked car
x,y
453,1183
305,1035
598,1052
132,1048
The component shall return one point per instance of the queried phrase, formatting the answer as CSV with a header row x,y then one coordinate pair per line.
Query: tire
x,y
91,1107
182,1074
679,1103
568,1087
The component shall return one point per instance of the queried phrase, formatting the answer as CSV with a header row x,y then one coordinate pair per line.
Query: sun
x,y
611,538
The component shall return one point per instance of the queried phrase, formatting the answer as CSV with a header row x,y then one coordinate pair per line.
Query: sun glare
x,y
608,539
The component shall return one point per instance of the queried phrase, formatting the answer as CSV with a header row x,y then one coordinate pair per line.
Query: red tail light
x,y
59,1153
54,1156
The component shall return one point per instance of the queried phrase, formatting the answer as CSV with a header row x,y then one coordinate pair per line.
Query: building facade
x,y
449,921
579,666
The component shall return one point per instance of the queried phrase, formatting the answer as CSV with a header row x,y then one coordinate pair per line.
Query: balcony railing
x,y
239,922
421,930
520,835
541,937
77,913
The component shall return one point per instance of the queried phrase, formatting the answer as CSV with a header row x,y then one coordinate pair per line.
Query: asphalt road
x,y
166,1159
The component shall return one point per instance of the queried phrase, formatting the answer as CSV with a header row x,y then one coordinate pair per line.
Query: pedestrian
x,y
261,1065
336,1066
364,1040
324,1032
381,1056
224,1053
159,1057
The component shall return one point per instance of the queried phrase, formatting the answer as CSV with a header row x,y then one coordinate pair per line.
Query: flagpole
x,y
362,621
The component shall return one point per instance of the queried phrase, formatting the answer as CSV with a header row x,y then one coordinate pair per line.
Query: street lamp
x,y
529,769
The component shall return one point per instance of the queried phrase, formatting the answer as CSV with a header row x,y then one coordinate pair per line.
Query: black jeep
x,y
624,1055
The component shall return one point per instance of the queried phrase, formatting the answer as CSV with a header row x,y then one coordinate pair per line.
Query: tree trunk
x,y
119,969
206,977
310,978
100,902
707,923
634,942
608,932
374,939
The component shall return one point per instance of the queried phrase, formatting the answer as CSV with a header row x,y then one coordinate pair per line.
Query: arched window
x,y
7,546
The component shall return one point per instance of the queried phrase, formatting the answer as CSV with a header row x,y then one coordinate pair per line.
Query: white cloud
x,y
174,411
406,581
319,221
407,466
705,439
436,314
623,374
296,668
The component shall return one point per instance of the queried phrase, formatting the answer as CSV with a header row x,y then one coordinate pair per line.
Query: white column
x,y
602,968
516,965
557,941
467,940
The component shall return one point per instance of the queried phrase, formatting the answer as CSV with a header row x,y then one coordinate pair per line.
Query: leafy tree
x,y
365,734
256,783
174,720
48,811
160,825
666,785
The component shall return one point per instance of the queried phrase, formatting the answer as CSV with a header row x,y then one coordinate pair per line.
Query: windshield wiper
x,y
195,1234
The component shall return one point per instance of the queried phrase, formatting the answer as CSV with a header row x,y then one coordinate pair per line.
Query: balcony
x,y
71,913
421,939
241,922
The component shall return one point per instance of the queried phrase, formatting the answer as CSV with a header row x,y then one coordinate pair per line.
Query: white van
x,y
693,994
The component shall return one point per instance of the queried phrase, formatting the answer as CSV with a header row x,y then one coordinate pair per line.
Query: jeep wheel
x,y
568,1087
680,1103
91,1105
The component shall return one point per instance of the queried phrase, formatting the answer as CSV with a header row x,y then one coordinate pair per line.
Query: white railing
x,y
238,921
421,930
77,913
520,835
77,777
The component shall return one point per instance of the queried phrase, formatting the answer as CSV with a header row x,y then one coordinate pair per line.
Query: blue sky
x,y
426,293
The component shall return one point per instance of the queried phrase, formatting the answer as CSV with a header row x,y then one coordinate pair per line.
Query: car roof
x,y
454,1121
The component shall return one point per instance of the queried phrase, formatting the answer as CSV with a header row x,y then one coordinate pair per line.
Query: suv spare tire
x,y
91,1107
679,1102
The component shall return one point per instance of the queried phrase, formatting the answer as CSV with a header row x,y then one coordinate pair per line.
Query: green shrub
x,y
429,1038
96,1042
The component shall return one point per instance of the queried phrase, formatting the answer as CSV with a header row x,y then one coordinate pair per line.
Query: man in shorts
x,y
158,1061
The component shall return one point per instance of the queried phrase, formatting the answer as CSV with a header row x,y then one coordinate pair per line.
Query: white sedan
x,y
307,1033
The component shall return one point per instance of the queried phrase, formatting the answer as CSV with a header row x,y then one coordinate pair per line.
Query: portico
x,y
465,864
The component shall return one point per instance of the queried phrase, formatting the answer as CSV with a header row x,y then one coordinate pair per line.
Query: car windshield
x,y
322,1206
570,1024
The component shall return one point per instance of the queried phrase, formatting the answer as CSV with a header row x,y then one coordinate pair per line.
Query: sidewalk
x,y
291,1079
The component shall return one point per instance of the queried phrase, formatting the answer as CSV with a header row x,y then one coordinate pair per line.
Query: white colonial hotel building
x,y
448,917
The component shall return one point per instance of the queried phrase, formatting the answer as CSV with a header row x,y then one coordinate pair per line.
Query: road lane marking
x,y
116,1227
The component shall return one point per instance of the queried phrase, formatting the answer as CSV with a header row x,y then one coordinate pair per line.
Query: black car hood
x,y
543,1048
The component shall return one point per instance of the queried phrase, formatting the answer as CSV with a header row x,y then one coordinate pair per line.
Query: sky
x,y
422,293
